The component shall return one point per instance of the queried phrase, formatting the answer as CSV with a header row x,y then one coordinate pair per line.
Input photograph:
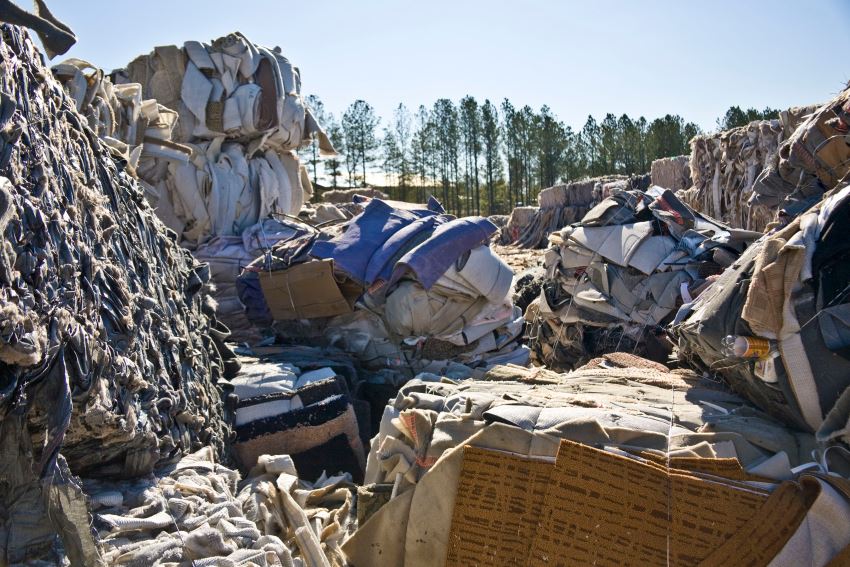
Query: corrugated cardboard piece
x,y
593,507
304,291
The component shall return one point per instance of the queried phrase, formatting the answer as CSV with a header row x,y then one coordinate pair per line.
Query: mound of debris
x,y
400,285
609,465
561,205
615,278
725,166
775,325
109,352
810,162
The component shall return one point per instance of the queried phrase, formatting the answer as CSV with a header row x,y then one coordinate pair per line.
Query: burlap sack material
x,y
776,270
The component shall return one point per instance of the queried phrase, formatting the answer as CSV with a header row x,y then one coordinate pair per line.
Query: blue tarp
x,y
365,236
432,258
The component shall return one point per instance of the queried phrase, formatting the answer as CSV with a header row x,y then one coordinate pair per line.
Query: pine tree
x,y
491,140
333,163
359,123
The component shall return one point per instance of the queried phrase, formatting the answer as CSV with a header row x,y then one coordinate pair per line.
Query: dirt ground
x,y
519,259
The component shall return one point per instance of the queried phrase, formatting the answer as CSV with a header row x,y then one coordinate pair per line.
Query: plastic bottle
x,y
740,346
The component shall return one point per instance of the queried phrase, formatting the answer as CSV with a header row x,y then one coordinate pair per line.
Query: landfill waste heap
x,y
211,130
382,409
109,358
401,285
613,280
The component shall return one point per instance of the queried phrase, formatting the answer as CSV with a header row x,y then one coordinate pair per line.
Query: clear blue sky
x,y
640,58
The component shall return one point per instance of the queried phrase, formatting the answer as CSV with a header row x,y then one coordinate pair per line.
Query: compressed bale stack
x,y
791,118
240,119
725,166
137,130
813,160
519,219
105,344
525,465
672,173
308,414
341,196
561,205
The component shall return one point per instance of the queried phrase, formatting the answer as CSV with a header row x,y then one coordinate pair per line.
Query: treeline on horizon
x,y
483,158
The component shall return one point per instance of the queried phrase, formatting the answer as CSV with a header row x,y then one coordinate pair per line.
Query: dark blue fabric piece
x,y
251,295
397,245
432,258
364,235
435,205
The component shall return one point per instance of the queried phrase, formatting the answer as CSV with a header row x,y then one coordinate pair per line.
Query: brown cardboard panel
x,y
499,502
304,291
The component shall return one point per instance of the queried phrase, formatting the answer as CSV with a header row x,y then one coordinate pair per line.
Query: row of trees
x,y
482,157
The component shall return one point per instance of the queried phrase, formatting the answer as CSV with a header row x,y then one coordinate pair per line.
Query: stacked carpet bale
x,y
672,173
813,160
561,205
307,414
725,166
518,221
614,464
341,196
110,368
793,117
137,130
241,119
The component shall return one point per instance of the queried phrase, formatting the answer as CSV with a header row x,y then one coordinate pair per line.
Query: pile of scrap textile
x,y
199,512
789,292
116,368
211,129
615,278
620,462
400,285
725,167
560,205
110,355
